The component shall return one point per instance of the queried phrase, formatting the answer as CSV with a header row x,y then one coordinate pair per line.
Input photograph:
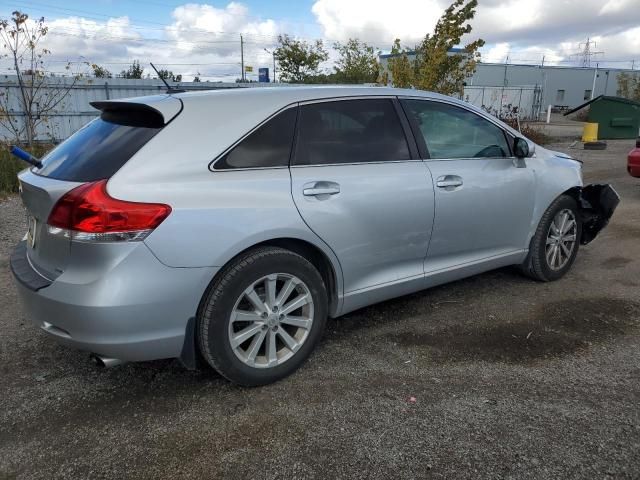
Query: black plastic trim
x,y
189,356
24,272
597,204
415,129
406,128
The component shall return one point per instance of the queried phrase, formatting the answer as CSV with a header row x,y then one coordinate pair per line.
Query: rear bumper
x,y
136,309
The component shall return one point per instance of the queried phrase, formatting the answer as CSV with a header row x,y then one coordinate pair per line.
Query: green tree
x,y
168,75
134,70
629,86
299,60
400,66
358,62
100,72
436,68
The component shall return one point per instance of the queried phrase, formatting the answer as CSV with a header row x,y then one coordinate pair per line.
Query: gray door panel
x,y
483,210
377,217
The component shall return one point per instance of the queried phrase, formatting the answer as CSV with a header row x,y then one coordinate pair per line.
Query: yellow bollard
x,y
590,132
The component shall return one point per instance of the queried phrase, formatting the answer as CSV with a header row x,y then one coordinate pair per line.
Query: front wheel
x,y
263,316
555,244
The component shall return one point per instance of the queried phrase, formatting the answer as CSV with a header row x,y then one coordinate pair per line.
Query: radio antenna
x,y
170,89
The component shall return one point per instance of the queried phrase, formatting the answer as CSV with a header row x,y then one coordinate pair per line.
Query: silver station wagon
x,y
225,227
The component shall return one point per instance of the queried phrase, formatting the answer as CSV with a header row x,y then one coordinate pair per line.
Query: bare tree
x,y
36,99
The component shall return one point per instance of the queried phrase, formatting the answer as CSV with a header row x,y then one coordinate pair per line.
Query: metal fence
x,y
75,110
525,102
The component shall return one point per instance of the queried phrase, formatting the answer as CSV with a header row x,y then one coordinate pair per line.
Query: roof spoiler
x,y
130,114
154,111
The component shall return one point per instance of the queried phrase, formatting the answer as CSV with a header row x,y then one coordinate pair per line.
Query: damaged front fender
x,y
597,203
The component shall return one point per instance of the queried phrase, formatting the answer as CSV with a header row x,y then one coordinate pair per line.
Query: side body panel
x,y
554,175
487,216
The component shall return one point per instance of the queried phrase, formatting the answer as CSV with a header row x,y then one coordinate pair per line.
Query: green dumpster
x,y
616,117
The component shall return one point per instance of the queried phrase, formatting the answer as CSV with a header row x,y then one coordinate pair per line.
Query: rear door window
x,y
266,147
350,131
95,152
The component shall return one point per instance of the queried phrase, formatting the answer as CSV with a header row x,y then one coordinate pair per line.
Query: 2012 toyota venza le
x,y
226,226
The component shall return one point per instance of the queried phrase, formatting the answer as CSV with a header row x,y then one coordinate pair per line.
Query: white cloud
x,y
526,29
204,27
201,39
376,21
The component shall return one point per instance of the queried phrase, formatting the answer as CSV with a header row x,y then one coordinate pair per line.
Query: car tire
x,y
541,264
261,277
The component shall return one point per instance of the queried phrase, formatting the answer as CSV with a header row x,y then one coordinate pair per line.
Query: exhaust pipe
x,y
105,362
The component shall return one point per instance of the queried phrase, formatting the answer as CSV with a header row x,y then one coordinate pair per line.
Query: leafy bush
x,y
10,166
509,115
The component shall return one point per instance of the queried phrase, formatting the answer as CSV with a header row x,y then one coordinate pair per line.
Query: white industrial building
x,y
535,87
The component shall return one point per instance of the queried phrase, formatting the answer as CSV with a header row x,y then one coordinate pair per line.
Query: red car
x,y
633,160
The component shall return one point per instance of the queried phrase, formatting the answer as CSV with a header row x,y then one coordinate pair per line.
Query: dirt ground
x,y
511,379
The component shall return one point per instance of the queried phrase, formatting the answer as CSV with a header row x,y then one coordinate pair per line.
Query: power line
x,y
165,26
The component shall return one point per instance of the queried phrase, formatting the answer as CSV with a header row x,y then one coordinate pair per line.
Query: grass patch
x,y
10,166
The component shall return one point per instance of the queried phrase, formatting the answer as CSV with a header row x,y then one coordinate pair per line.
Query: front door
x,y
484,201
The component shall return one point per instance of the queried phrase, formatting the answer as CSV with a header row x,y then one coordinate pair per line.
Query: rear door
x,y
484,201
358,186
94,152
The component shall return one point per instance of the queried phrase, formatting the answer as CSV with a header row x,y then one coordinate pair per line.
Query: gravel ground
x,y
511,379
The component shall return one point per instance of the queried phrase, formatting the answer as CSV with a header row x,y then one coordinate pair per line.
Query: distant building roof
x,y
413,52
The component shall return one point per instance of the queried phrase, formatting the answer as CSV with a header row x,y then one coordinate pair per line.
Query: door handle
x,y
314,189
449,181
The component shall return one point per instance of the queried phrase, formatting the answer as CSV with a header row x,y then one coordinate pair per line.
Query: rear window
x,y
96,151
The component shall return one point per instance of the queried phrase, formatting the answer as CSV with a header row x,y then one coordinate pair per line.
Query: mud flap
x,y
597,204
189,357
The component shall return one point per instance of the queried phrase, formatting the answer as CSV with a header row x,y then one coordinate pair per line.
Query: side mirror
x,y
520,148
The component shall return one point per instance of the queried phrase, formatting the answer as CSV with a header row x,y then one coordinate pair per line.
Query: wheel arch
x,y
596,204
329,268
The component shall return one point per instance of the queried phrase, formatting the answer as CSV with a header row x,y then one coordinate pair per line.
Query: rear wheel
x,y
555,244
263,316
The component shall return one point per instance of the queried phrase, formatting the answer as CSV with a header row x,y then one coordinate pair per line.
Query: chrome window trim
x,y
411,160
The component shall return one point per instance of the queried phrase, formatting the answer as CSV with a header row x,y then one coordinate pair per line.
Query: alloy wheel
x,y
271,320
561,239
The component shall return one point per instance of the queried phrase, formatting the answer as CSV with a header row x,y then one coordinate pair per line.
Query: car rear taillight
x,y
88,213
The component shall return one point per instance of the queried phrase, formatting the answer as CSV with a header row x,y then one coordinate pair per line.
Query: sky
x,y
204,38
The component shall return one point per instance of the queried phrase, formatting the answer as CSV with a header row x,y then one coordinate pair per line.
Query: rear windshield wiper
x,y
26,156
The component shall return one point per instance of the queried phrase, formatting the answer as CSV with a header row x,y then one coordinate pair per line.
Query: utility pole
x,y
595,76
242,58
506,62
587,53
